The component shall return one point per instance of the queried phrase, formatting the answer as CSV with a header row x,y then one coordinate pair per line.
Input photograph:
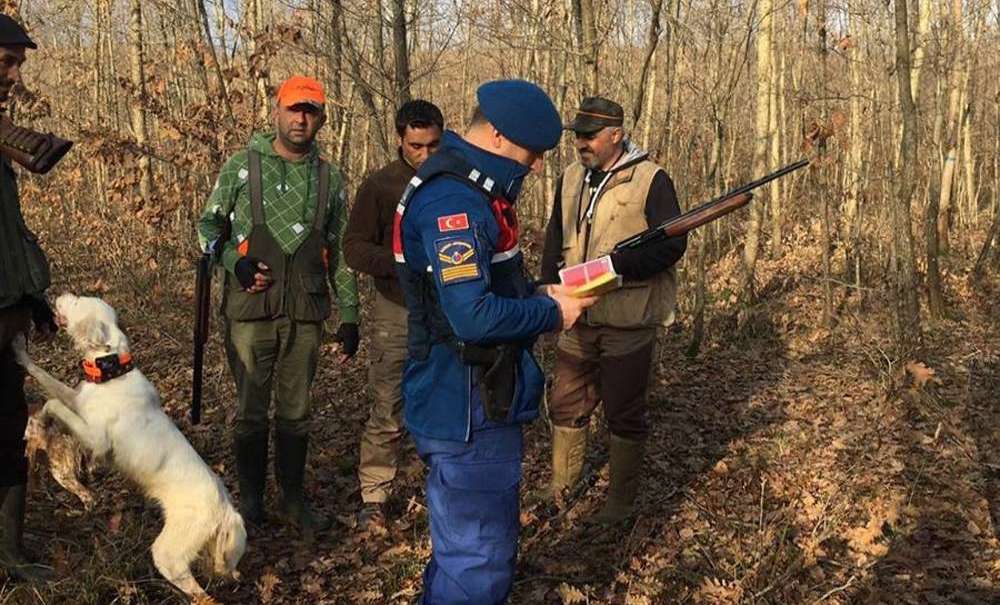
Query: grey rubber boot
x,y
569,448
290,467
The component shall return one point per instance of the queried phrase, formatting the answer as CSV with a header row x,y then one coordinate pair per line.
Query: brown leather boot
x,y
624,470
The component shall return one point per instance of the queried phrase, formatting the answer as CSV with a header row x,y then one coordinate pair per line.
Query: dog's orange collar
x,y
107,368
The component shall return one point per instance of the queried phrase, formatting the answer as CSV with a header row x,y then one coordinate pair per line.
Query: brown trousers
x,y
603,364
13,406
384,429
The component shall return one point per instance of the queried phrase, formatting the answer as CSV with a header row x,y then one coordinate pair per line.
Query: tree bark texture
x,y
904,264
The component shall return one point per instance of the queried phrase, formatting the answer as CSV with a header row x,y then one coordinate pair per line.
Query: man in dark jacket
x,y
368,249
24,277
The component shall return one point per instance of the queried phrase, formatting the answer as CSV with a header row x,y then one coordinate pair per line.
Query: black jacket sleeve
x,y
643,263
552,252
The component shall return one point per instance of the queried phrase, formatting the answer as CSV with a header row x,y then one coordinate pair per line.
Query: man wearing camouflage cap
x,y
611,193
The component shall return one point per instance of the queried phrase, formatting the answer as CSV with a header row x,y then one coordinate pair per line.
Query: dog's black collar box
x,y
106,368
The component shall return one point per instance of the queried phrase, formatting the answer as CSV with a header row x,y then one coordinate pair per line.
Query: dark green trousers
x,y
279,356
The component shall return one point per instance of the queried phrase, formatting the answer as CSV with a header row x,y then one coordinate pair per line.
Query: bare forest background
x,y
851,310
158,94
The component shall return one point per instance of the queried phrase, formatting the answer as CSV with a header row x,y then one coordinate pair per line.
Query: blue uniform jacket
x,y
450,228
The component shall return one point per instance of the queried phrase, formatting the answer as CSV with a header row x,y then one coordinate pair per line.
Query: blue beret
x,y
522,112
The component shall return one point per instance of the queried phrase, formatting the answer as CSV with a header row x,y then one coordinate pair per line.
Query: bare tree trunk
x,y
335,59
585,28
904,273
776,91
853,177
968,161
762,142
399,51
924,9
140,127
259,17
994,233
221,22
957,67
984,253
652,40
714,182
664,148
650,94
214,57
101,32
939,206
823,173
365,92
378,38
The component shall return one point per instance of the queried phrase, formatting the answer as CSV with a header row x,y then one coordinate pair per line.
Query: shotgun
x,y
706,213
598,276
202,301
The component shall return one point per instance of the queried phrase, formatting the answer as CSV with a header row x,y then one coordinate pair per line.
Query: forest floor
x,y
788,463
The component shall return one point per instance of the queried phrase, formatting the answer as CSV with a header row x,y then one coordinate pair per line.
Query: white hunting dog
x,y
117,411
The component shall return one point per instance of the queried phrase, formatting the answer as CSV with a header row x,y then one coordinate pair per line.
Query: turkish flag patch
x,y
453,222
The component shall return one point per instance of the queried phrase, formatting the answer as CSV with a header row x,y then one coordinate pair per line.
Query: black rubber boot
x,y
290,467
12,557
251,467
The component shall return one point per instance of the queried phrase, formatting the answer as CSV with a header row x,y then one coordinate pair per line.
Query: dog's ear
x,y
91,334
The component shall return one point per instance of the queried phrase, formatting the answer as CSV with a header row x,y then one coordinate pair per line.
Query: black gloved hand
x,y
349,338
245,270
42,315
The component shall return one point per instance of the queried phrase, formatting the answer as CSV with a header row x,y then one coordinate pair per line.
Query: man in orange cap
x,y
278,212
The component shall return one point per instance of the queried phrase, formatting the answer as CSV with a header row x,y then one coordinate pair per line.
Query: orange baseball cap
x,y
300,89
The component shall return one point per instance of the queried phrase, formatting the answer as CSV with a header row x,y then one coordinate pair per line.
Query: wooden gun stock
x,y
706,214
35,151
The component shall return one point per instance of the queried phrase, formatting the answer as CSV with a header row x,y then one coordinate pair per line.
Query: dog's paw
x,y
46,413
20,347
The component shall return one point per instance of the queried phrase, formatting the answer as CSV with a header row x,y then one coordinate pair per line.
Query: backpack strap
x,y
256,187
322,195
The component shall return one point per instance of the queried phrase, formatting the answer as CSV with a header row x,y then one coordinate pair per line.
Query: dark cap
x,y
12,34
596,113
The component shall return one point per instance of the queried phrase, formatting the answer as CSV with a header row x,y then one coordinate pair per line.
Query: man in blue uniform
x,y
471,379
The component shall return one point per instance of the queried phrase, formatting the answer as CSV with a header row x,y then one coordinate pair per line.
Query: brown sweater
x,y
368,239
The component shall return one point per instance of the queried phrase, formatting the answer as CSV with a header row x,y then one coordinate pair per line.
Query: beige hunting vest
x,y
618,213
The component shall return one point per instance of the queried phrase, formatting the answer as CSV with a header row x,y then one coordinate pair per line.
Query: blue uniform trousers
x,y
473,499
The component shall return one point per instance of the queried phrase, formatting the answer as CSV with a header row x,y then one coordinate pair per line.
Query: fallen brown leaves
x,y
786,464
